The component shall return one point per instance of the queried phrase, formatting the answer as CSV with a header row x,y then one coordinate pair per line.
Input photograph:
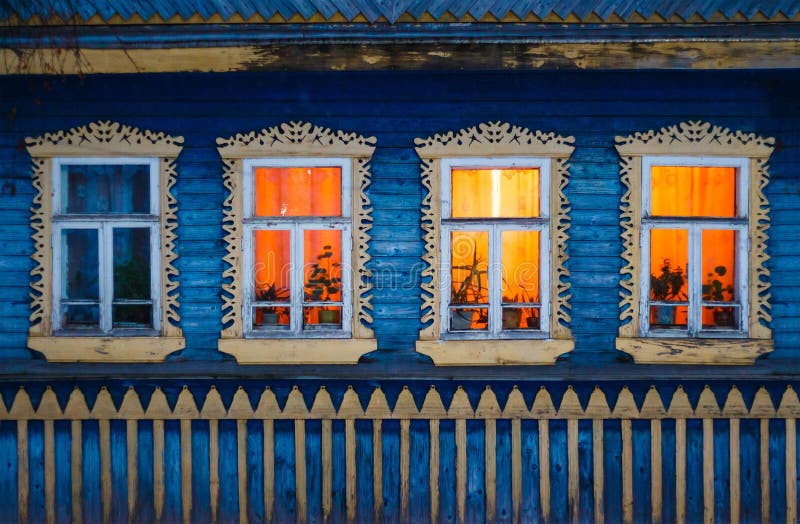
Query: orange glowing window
x,y
297,191
696,251
300,250
495,193
495,273
692,191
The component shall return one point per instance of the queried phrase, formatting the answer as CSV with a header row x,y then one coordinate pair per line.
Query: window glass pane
x,y
80,264
469,252
668,317
520,278
721,317
105,188
132,315
322,251
469,319
693,191
131,263
81,316
719,276
298,191
272,266
270,318
325,317
495,193
668,261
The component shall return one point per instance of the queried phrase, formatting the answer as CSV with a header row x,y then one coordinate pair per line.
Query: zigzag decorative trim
x,y
296,139
694,138
495,139
101,139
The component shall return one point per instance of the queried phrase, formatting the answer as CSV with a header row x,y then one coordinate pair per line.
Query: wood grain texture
x,y
241,467
351,485
708,471
573,482
490,468
132,451
377,470
680,470
598,476
433,469
106,349
656,475
791,470
49,472
734,469
297,351
327,467
213,468
158,468
718,352
776,54
269,469
764,467
105,467
544,468
76,471
494,352
627,471
301,486
461,468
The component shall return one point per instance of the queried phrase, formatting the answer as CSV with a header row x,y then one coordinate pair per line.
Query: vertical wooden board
x,y
391,470
314,467
722,507
49,469
119,471
364,471
708,470
777,470
791,470
228,472
419,508
173,511
36,473
503,465
255,471
530,510
63,474
668,470
749,458
106,485
131,466
475,508
339,496
694,470
201,489
351,481
92,501
145,510
585,471
405,467
598,473
285,498
642,500
8,467
447,471
268,463
559,472
612,466
545,492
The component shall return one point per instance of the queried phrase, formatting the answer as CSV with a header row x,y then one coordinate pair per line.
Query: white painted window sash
x,y
104,225
695,227
495,227
296,225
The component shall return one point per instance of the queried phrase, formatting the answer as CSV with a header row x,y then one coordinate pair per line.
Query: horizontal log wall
x,y
413,460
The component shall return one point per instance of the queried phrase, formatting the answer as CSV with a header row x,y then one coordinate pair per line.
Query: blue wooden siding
x,y
397,107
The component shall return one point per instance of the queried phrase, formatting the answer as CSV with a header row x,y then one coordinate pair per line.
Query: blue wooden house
x,y
402,261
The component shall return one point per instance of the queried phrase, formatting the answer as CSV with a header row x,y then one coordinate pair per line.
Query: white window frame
x,y
296,225
495,227
694,227
104,224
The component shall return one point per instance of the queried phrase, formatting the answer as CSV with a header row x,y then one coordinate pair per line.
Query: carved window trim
x,y
495,140
103,140
296,140
694,139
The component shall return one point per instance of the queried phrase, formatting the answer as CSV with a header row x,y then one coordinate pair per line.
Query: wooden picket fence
x,y
405,410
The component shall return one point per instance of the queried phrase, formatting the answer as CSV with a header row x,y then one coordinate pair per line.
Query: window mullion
x,y
106,271
644,300
694,274
495,280
296,256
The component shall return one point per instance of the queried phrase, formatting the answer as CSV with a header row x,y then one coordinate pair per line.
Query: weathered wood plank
x,y
627,471
490,468
300,470
597,470
49,472
680,470
76,460
241,466
186,469
132,450
158,468
573,499
544,468
268,459
765,475
351,486
105,467
735,471
791,470
708,471
377,469
327,467
213,467
461,467
656,472
516,469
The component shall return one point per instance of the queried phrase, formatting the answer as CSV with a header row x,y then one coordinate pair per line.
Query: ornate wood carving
x,y
495,139
294,139
701,139
105,139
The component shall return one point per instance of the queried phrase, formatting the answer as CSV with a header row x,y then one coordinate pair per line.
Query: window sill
x,y
531,352
106,349
297,350
714,351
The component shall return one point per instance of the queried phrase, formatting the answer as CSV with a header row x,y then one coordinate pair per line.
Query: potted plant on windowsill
x,y
715,291
468,291
322,285
666,287
269,315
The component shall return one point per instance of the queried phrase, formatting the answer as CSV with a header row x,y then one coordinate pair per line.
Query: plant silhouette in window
x,y
270,314
469,291
664,287
322,285
715,291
